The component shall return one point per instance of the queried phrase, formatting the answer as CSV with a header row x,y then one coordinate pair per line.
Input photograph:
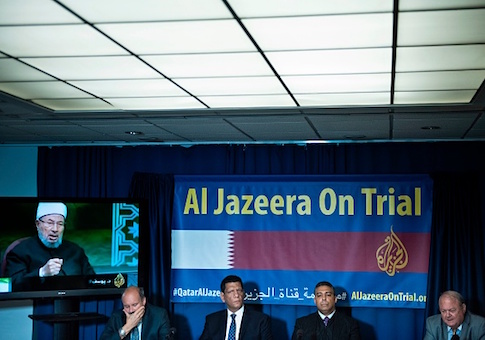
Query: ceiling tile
x,y
155,103
42,89
343,99
74,104
440,58
210,65
352,127
29,12
439,80
231,86
56,40
180,36
413,5
433,97
14,70
245,101
270,8
147,10
342,61
451,125
90,68
130,87
441,27
321,32
314,84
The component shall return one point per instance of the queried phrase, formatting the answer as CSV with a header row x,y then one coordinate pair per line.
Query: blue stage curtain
x,y
457,258
102,171
157,190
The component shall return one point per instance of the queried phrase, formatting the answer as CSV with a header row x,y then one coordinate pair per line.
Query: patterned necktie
x,y
325,321
232,328
135,335
455,335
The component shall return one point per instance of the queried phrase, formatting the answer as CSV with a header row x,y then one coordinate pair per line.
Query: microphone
x,y
171,333
299,334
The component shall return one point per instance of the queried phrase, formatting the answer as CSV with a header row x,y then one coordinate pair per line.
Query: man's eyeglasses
x,y
51,224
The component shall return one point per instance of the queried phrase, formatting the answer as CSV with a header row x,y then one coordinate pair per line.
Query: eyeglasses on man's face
x,y
51,224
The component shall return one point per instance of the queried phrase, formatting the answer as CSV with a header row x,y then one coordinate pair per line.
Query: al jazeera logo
x,y
392,255
119,280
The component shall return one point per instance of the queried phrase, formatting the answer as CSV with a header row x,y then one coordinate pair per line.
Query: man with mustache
x,y
46,254
327,322
236,322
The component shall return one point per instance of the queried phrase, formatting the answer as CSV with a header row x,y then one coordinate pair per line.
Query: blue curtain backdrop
x,y
456,261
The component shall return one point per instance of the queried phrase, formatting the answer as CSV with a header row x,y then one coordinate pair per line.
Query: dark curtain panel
x,y
157,190
457,259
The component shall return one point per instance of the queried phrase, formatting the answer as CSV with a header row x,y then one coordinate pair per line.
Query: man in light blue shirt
x,y
454,321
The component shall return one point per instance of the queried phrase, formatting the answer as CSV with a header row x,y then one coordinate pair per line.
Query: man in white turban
x,y
46,254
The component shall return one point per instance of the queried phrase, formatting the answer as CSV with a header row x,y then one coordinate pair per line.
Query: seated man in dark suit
x,y
237,322
327,322
138,319
454,321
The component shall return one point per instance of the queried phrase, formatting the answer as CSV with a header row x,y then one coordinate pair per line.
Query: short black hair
x,y
228,279
325,283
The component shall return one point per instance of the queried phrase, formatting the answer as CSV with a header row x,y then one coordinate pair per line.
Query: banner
x,y
367,235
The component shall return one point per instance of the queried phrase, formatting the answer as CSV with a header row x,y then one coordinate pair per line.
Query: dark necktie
x,y
135,335
232,328
455,336
325,321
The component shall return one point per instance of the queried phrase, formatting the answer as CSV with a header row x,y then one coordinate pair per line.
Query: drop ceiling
x,y
240,71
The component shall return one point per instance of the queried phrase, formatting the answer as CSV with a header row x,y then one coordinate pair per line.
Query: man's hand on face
x,y
51,268
133,319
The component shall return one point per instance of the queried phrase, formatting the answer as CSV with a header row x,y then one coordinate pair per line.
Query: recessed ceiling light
x,y
356,137
134,133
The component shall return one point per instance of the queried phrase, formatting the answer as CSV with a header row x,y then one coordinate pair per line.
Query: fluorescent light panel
x,y
442,80
434,58
147,10
90,68
322,32
248,101
413,5
433,97
345,99
130,88
180,36
232,86
380,82
159,103
42,89
332,61
271,8
441,27
74,104
56,40
29,12
13,70
210,65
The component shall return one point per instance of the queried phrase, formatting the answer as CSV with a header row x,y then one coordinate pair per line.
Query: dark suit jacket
x,y
254,325
156,324
25,260
473,328
340,327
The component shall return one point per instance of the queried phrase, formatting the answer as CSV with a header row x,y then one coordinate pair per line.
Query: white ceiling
x,y
241,71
